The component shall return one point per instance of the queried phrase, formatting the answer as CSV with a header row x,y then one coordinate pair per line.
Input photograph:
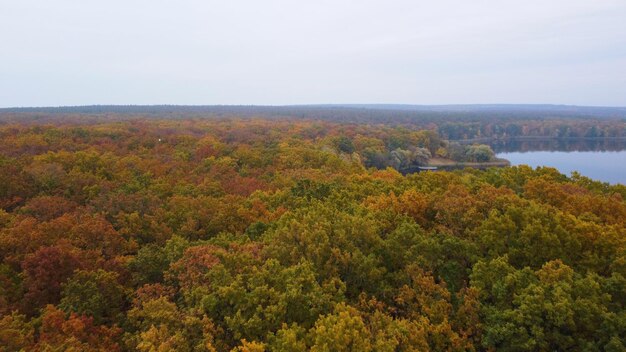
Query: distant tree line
x,y
452,122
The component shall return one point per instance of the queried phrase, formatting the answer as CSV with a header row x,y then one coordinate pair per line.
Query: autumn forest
x,y
130,232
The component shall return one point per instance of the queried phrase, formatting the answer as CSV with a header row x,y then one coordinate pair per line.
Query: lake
x,y
602,160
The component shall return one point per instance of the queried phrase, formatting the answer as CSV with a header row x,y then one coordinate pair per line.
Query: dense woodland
x,y
224,234
452,122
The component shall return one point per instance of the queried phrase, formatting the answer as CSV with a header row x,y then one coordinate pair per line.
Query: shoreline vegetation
x,y
429,152
537,138
447,164
442,164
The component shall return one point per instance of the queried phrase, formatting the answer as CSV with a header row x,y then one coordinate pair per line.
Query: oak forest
x,y
267,229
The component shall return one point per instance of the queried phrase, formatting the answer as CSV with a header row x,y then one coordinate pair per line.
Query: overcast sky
x,y
79,52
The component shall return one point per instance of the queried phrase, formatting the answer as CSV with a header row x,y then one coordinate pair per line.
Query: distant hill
x,y
540,108
350,112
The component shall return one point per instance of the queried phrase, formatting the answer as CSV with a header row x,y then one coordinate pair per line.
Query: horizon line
x,y
349,105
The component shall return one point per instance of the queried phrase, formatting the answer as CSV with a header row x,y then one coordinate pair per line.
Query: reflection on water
x,y
561,145
603,160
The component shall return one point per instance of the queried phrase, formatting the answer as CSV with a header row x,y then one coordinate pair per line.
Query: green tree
x,y
262,299
479,153
345,145
96,294
344,330
149,265
161,326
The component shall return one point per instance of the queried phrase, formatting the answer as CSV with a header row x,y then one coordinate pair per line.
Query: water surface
x,y
606,166
600,159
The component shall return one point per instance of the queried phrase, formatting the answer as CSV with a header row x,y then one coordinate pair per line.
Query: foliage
x,y
284,234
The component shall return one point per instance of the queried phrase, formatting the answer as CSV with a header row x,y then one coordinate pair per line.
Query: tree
x,y
344,330
10,289
236,234
150,264
530,235
96,294
247,346
59,332
261,300
45,272
479,153
161,326
552,308
345,145
16,333
290,338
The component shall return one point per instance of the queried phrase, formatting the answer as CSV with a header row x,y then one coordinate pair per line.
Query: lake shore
x,y
448,164
435,164
491,140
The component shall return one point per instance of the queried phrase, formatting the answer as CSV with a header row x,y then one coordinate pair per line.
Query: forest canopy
x,y
296,234
452,122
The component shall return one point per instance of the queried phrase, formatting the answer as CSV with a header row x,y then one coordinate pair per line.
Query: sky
x,y
279,52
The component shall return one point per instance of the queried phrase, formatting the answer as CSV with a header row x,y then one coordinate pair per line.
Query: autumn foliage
x,y
284,235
